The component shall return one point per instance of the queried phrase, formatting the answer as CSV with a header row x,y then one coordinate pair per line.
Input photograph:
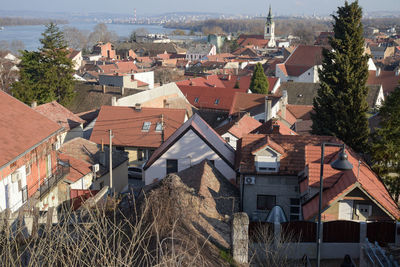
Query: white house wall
x,y
309,76
83,183
189,150
146,77
232,139
14,195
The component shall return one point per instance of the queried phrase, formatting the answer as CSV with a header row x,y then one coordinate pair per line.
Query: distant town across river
x,y
29,35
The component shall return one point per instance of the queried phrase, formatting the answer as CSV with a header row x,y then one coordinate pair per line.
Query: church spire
x,y
269,13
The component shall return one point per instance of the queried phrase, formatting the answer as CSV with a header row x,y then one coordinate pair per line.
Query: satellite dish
x,y
276,215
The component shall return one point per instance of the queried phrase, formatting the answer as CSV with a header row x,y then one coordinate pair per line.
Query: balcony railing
x,y
58,173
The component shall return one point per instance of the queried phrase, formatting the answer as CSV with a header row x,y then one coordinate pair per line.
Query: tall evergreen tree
x,y
340,105
47,74
259,82
386,144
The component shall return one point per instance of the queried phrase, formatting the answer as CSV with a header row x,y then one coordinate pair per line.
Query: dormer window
x,y
146,126
158,127
267,160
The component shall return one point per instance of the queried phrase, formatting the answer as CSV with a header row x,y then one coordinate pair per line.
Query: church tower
x,y
269,30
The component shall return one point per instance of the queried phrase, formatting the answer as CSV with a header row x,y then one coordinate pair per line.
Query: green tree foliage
x,y
47,74
259,82
386,144
340,105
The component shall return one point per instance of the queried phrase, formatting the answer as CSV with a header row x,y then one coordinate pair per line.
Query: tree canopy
x,y
259,82
340,105
47,74
386,144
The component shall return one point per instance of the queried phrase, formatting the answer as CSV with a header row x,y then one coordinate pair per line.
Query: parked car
x,y
134,173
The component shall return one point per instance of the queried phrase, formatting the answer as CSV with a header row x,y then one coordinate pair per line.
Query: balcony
x,y
57,174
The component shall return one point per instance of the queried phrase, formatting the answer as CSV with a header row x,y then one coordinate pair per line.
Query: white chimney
x,y
268,108
378,71
34,104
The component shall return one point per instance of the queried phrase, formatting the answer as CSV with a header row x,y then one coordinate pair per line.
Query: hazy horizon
x,y
256,7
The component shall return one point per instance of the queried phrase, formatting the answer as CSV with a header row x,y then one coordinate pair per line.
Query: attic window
x,y
196,100
158,127
267,160
146,126
216,101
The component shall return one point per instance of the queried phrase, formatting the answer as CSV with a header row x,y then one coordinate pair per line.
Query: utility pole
x,y
162,128
111,178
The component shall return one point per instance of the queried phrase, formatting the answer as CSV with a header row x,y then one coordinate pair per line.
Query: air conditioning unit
x,y
249,180
56,146
95,168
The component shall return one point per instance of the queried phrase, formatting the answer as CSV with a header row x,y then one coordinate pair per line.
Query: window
x,y
146,126
227,139
28,169
196,100
265,202
295,209
158,127
172,165
216,101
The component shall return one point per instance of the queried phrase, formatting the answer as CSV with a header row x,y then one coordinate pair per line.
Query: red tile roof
x,y
59,114
388,79
78,168
303,58
337,183
274,127
120,67
244,101
293,160
241,127
257,41
127,125
300,112
200,127
21,128
208,81
72,53
219,98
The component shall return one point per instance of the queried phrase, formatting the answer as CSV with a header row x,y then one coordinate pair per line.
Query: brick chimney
x,y
275,128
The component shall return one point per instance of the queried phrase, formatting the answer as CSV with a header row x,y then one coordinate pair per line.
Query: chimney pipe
x,y
275,128
284,102
34,104
378,71
268,108
113,101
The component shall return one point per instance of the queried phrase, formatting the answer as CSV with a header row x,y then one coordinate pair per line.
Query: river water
x,y
30,34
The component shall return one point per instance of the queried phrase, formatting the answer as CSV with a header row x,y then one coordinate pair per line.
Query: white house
x,y
302,65
193,142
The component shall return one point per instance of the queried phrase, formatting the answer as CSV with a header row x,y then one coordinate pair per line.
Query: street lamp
x,y
341,164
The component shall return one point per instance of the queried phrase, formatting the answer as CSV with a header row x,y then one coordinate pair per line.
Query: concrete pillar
x,y
277,232
240,237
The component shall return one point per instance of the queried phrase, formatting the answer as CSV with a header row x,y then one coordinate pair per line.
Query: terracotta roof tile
x,y
303,58
274,127
244,101
241,127
59,114
294,145
127,125
78,168
21,128
388,79
338,182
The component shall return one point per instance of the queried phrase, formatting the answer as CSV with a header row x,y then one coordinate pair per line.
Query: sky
x,y
253,7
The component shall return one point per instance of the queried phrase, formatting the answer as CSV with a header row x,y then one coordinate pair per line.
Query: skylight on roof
x,y
196,100
146,126
158,127
216,101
